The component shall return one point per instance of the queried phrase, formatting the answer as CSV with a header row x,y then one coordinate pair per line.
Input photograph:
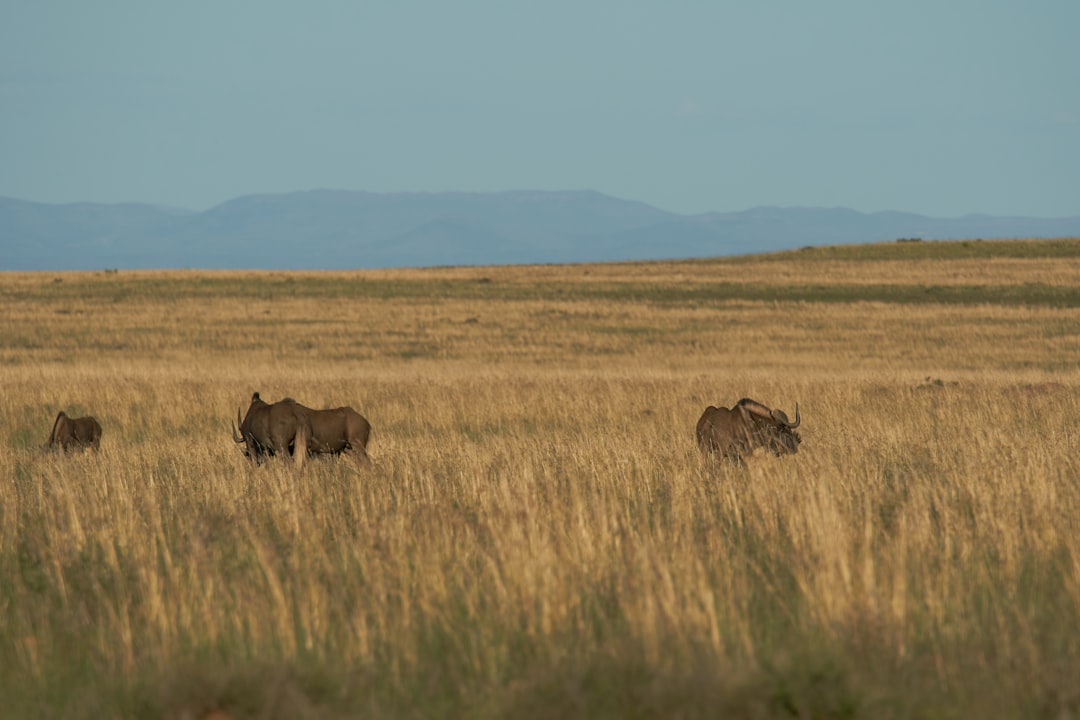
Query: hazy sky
x,y
941,107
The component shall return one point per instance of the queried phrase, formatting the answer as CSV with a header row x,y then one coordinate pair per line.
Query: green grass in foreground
x,y
459,662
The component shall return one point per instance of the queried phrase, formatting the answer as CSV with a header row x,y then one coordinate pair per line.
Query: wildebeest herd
x,y
288,429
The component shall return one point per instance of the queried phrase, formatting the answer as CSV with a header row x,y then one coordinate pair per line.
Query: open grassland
x,y
538,536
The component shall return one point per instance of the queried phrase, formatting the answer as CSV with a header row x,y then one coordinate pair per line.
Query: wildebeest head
x,y
242,428
774,426
746,426
75,433
267,429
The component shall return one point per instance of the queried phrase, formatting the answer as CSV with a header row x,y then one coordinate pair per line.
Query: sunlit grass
x,y
538,535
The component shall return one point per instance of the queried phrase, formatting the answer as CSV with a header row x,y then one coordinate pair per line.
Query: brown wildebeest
x,y
338,431
287,427
75,433
272,429
736,432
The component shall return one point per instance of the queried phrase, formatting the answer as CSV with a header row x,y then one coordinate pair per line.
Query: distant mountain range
x,y
330,229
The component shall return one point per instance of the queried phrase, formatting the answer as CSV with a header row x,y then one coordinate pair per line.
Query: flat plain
x,y
538,535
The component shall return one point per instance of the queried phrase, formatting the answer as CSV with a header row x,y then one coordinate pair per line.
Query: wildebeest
x,y
272,429
736,432
75,433
338,431
287,427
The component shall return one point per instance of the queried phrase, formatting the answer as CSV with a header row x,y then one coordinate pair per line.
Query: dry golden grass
x,y
539,536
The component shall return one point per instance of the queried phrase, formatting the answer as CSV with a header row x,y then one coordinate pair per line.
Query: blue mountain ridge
x,y
334,229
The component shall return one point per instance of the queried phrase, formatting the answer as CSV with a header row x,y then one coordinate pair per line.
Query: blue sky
x,y
940,108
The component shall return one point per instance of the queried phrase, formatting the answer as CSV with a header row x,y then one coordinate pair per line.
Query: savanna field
x,y
538,535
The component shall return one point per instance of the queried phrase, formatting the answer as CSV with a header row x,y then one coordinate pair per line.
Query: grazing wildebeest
x,y
736,432
75,433
273,429
287,427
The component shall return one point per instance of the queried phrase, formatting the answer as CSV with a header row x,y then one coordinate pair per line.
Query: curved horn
x,y
780,418
235,435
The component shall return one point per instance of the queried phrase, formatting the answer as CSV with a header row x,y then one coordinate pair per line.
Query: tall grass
x,y
538,536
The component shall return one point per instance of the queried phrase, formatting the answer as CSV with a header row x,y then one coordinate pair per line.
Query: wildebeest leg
x,y
300,446
281,440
